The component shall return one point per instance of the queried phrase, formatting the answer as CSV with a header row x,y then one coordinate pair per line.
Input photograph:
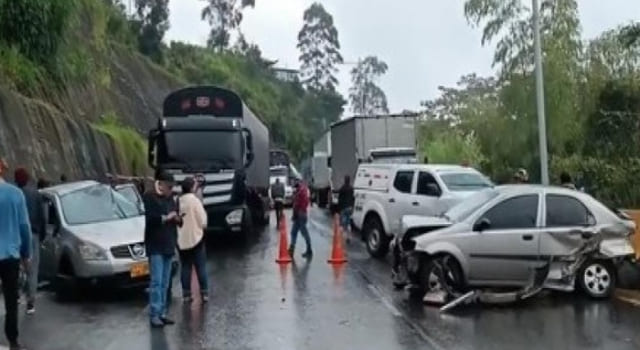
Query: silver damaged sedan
x,y
500,235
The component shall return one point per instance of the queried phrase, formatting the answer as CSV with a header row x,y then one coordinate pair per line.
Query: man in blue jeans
x,y
15,246
160,235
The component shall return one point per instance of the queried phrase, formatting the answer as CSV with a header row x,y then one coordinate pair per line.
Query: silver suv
x,y
94,235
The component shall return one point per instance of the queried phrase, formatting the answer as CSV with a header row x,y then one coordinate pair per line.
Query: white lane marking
x,y
394,310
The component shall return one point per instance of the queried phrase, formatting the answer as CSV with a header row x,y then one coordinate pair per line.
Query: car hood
x,y
417,221
111,233
426,223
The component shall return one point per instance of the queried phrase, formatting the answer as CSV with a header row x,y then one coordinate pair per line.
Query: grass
x,y
131,146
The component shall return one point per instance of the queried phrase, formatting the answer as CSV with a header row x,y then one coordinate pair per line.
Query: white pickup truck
x,y
386,192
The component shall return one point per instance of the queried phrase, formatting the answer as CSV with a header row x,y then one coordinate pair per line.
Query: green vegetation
x,y
48,46
592,103
131,147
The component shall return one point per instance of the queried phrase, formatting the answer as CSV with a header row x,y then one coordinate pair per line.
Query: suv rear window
x,y
403,181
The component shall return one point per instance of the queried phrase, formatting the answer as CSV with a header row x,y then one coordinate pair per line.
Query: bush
x,y
34,27
131,146
615,184
18,69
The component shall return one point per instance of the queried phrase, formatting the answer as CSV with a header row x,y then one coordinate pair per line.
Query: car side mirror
x,y
433,190
482,225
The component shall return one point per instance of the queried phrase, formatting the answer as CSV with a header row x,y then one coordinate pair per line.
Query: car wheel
x,y
376,238
439,274
597,278
65,284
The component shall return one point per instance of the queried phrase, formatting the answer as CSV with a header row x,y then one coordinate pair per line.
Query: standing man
x,y
63,179
346,201
521,176
160,236
38,222
15,244
300,208
565,180
277,194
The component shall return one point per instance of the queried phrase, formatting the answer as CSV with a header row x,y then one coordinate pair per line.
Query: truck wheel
x,y
247,224
376,239
597,278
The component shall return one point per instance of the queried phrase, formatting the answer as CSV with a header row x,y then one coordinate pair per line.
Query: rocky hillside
x,y
77,97
82,127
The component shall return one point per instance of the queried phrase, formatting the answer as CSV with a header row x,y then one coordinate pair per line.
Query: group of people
x,y
300,208
172,223
521,176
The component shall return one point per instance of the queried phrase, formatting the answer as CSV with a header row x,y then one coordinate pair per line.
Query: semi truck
x,y
209,133
354,138
320,170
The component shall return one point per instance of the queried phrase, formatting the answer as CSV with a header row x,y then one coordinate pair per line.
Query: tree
x,y
224,16
152,17
319,49
510,21
365,96
630,34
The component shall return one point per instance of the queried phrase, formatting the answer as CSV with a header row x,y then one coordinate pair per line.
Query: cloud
x,y
425,43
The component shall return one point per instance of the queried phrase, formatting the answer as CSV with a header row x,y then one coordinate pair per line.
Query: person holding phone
x,y
191,240
162,220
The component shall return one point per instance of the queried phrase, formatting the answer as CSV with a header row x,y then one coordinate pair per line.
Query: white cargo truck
x,y
353,139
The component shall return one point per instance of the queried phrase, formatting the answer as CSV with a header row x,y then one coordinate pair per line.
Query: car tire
x,y
429,278
377,240
597,278
66,285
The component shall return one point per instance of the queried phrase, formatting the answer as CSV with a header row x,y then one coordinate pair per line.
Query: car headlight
x,y
234,217
90,251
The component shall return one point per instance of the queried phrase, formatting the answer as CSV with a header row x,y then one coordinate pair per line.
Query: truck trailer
x,y
209,133
353,139
320,170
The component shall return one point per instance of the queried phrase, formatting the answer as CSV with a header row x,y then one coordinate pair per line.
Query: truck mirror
x,y
153,138
250,158
249,147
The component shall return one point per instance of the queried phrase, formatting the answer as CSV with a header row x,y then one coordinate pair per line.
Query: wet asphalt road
x,y
255,304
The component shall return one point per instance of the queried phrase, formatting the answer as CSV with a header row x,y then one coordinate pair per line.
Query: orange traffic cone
x,y
283,254
337,252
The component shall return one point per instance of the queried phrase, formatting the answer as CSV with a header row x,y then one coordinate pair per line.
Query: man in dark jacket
x,y
346,201
160,237
277,194
38,221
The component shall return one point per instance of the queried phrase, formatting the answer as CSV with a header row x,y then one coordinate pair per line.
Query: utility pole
x,y
542,128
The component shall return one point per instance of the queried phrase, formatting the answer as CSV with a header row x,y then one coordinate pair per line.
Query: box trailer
x,y
352,140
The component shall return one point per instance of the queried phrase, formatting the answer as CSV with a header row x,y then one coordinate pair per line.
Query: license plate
x,y
139,270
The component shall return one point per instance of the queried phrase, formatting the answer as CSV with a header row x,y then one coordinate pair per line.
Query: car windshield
x,y
129,193
97,203
466,181
220,149
467,207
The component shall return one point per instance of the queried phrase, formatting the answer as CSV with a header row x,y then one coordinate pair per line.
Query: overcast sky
x,y
427,44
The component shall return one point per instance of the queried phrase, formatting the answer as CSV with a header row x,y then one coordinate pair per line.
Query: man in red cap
x,y
38,221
